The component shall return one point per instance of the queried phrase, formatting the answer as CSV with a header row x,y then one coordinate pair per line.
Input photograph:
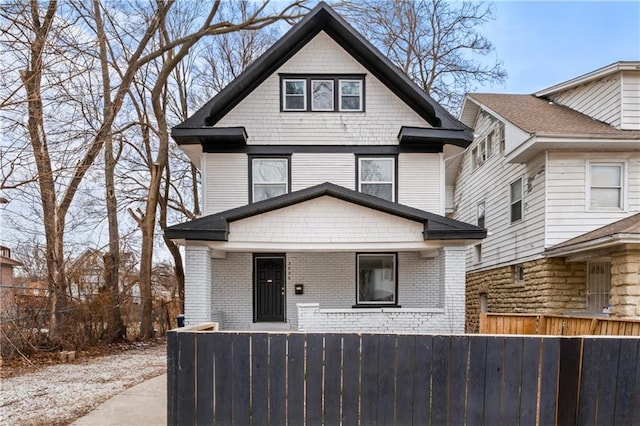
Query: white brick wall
x,y
325,220
232,290
197,285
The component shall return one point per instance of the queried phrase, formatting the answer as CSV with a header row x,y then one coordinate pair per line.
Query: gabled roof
x,y
321,18
216,227
542,117
623,231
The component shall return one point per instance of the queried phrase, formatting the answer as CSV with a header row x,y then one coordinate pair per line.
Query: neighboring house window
x,y
376,279
479,154
605,186
477,253
515,190
481,214
376,176
518,273
490,142
350,95
474,158
294,95
322,93
269,177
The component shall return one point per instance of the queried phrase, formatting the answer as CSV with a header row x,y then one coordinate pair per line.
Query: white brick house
x,y
324,185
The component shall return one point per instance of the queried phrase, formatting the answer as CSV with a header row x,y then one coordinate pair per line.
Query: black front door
x,y
269,289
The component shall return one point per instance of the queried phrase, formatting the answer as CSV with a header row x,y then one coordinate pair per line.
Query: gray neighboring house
x,y
555,178
324,192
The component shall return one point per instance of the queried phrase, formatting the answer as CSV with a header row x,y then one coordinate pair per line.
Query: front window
x,y
377,279
269,177
516,200
376,177
294,98
605,186
322,95
350,95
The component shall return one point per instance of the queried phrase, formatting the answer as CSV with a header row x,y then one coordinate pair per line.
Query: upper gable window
x,y
322,93
269,177
294,95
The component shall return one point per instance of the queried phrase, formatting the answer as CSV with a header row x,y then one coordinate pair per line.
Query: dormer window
x,y
322,93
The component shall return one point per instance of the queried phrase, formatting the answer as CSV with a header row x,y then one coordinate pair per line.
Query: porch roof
x,y
215,227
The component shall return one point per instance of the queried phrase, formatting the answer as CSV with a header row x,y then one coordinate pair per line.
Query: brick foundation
x,y
550,286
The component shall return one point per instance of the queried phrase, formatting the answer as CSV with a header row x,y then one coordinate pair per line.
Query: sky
x,y
543,43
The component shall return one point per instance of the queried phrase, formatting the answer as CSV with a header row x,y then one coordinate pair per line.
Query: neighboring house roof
x,y
542,117
621,232
321,18
215,227
591,76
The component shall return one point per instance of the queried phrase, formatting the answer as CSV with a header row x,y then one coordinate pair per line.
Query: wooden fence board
x,y
186,401
295,380
626,376
386,379
493,379
530,369
440,379
277,379
369,380
351,379
332,374
241,379
635,416
422,378
607,382
457,379
222,352
510,406
259,379
405,380
204,373
476,380
568,377
549,380
589,381
314,356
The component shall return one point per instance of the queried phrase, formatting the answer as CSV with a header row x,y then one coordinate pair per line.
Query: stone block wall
x,y
550,286
625,283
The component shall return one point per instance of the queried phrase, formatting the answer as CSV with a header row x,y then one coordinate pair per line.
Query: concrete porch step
x,y
270,326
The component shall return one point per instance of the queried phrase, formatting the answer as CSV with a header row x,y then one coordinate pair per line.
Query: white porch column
x,y
452,292
197,285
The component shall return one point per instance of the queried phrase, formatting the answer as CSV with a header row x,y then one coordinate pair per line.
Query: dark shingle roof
x,y
215,227
536,115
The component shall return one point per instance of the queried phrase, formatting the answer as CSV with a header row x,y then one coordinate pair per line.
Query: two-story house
x,y
555,179
323,170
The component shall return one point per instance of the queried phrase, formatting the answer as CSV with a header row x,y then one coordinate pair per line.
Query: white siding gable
x,y
379,124
630,100
325,220
600,99
225,182
421,181
313,169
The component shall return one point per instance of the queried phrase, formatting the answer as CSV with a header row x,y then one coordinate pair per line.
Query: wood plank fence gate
x,y
243,378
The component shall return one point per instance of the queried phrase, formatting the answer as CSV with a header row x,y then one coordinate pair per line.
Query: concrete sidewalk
x,y
143,404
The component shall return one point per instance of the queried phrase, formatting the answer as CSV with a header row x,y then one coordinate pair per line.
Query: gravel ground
x,y
59,394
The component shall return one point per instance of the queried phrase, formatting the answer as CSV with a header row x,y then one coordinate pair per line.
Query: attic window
x,y
322,93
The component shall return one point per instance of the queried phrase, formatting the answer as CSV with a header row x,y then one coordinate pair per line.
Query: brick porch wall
x,y
550,286
625,283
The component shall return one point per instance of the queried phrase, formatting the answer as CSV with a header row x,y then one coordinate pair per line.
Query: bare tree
x,y
435,42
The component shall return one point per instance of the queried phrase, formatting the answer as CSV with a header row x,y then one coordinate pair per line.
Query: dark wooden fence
x,y
241,378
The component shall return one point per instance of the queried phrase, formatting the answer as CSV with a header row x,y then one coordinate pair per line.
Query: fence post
x,y
542,325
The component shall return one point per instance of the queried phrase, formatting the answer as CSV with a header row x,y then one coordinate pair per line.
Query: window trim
x,y
394,186
521,200
268,157
340,95
477,254
336,78
622,205
484,214
283,92
373,304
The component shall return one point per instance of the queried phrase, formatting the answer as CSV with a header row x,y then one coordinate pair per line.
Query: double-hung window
x,y
269,177
376,176
322,95
515,197
350,95
294,94
481,214
605,186
376,279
